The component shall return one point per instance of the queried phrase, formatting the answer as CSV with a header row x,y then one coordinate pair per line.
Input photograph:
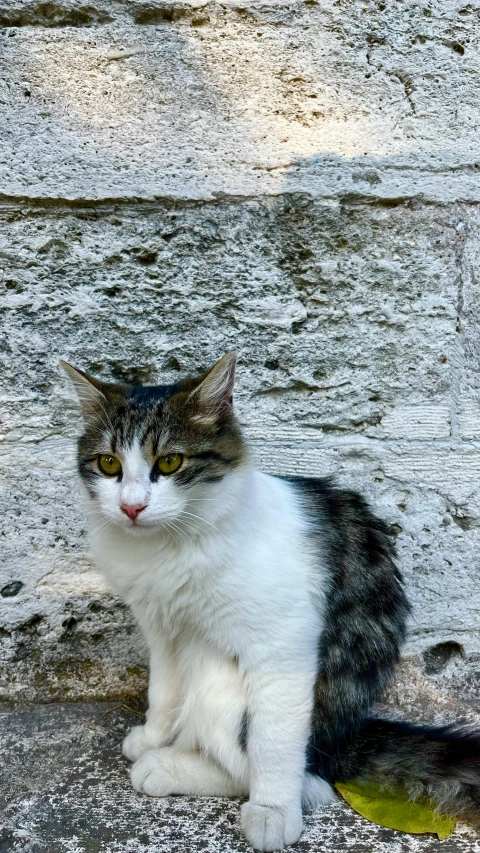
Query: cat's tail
x,y
443,763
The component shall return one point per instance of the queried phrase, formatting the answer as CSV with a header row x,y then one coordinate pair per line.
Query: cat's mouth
x,y
136,524
136,528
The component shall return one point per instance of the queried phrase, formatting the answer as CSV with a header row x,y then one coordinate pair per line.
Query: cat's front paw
x,y
139,740
150,775
268,828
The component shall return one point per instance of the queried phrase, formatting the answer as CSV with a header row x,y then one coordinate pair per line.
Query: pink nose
x,y
132,510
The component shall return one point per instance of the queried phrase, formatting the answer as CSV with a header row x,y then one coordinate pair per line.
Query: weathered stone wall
x,y
297,180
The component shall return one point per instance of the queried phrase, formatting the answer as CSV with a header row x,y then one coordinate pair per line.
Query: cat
x,y
272,608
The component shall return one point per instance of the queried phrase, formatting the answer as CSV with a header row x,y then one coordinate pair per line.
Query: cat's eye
x,y
109,465
169,464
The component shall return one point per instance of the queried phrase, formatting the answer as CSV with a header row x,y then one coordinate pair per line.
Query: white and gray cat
x,y
272,609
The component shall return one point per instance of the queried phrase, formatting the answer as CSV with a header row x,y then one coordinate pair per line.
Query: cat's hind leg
x,y
166,771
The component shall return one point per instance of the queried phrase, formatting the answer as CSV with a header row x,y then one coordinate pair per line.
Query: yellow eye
x,y
109,465
169,464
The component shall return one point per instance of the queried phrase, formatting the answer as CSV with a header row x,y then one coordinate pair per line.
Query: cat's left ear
x,y
214,396
91,393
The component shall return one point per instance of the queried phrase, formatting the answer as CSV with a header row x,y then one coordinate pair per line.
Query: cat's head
x,y
159,456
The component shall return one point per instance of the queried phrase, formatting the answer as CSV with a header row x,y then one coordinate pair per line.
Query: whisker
x,y
205,499
199,518
172,526
102,526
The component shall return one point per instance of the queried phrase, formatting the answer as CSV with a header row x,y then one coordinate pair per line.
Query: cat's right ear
x,y
90,392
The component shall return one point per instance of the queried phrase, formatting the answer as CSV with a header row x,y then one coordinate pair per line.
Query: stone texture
x,y
66,790
197,100
297,180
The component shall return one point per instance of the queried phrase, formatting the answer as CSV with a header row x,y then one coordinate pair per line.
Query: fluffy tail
x,y
443,763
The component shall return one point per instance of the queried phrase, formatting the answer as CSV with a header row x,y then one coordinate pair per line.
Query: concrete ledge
x,y
65,789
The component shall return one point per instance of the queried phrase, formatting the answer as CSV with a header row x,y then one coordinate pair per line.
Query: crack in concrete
x,y
408,86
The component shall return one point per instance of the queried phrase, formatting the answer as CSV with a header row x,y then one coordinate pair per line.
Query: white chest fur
x,y
244,585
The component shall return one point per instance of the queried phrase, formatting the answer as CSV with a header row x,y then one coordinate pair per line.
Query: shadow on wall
x,y
180,107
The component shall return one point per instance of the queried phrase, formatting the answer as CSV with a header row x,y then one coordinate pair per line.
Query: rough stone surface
x,y
297,180
201,99
65,789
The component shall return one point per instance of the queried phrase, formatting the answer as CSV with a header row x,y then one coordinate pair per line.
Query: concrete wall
x,y
296,179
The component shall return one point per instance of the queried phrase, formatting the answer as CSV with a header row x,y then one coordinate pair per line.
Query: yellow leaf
x,y
391,808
